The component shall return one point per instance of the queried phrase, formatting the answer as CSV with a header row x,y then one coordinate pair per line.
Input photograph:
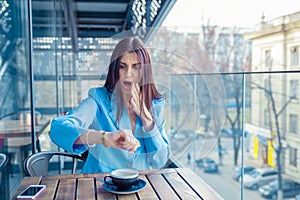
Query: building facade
x,y
275,95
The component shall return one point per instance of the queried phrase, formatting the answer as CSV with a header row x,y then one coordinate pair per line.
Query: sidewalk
x,y
254,162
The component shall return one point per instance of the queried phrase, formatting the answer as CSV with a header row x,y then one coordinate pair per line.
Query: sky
x,y
241,13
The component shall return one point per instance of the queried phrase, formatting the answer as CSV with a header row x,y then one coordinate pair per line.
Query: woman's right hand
x,y
123,139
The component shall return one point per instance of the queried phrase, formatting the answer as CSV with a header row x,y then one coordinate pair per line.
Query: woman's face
x,y
129,72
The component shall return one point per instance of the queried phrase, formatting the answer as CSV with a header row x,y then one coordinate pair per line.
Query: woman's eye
x,y
137,67
122,66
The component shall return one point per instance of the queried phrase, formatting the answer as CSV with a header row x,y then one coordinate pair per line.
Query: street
x,y
224,184
221,182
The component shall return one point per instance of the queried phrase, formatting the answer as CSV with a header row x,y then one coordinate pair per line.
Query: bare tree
x,y
224,40
234,83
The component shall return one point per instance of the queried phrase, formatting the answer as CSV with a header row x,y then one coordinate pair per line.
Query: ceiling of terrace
x,y
96,18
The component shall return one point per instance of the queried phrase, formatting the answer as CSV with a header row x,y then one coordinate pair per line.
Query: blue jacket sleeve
x,y
65,130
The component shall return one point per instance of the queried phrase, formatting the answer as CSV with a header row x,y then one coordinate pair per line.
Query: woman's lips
x,y
127,85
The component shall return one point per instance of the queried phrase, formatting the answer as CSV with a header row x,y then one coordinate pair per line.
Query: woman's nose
x,y
128,71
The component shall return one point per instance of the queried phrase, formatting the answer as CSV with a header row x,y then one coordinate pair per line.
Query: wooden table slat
x,y
181,187
102,193
51,187
161,186
66,189
98,176
204,190
85,189
147,192
127,196
158,171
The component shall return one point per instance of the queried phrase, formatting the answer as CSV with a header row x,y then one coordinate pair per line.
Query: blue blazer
x,y
98,112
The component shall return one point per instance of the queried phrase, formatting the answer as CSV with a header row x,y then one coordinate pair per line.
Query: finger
x,y
134,95
132,102
131,105
137,87
125,147
123,135
135,142
132,150
135,147
135,105
128,136
129,146
136,90
133,89
138,143
132,143
125,143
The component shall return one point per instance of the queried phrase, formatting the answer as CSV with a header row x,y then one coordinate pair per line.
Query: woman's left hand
x,y
137,103
136,100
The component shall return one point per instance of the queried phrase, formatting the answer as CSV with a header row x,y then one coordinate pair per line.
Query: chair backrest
x,y
37,164
4,191
3,161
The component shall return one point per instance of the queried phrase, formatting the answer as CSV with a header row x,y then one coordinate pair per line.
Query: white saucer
x,y
136,188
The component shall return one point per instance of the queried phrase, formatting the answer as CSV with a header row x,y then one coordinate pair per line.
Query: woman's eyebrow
x,y
124,63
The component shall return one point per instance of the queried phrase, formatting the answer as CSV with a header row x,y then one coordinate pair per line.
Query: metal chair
x,y
37,164
19,147
3,162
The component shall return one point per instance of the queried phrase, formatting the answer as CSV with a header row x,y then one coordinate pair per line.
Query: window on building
x,y
266,117
294,89
268,59
293,157
267,87
293,123
295,56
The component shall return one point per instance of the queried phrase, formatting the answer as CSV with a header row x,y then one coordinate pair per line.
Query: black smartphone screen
x,y
31,191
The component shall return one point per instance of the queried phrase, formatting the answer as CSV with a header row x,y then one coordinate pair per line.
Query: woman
x,y
121,123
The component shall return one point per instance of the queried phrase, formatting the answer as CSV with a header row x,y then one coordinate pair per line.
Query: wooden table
x,y
17,128
15,136
16,133
170,184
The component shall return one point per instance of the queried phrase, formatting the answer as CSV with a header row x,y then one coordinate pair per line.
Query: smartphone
x,y
31,192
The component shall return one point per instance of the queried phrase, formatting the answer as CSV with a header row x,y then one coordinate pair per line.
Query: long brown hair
x,y
147,87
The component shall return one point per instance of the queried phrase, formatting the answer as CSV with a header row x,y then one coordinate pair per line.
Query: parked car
x,y
208,165
200,162
290,188
259,177
237,171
